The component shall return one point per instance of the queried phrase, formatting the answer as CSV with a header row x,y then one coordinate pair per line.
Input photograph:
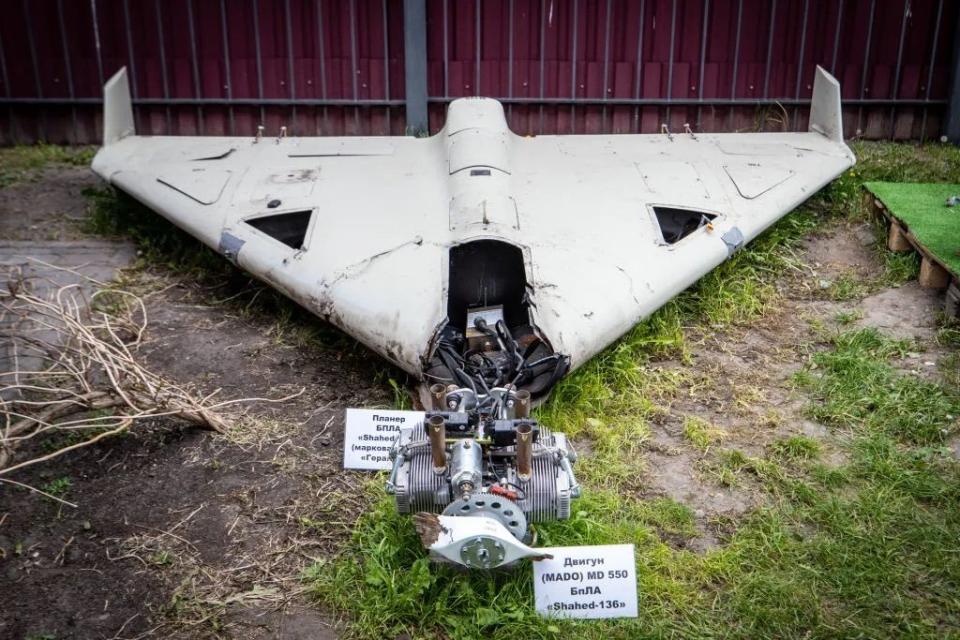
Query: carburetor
x,y
477,472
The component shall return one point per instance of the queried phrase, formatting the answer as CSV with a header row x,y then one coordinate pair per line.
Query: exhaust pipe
x,y
437,394
437,431
521,406
524,450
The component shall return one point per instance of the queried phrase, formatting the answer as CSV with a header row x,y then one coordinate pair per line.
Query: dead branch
x,y
76,372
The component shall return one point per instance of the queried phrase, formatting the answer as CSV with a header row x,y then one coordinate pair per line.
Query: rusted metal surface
x,y
438,434
524,451
327,67
522,406
437,394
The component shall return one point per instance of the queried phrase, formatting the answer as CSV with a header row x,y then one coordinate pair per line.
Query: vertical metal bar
x,y
66,49
543,55
606,68
321,41
67,66
933,59
386,60
415,65
573,70
96,39
896,73
3,69
510,46
163,63
673,37
130,59
255,9
353,61
836,38
195,64
226,60
736,62
446,52
31,43
766,73
638,72
6,88
952,128
510,58
803,45
41,121
703,57
477,36
866,60
290,73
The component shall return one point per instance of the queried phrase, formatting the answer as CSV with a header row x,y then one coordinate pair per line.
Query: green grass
x,y
921,207
57,487
865,549
797,448
848,286
24,162
854,385
160,558
700,433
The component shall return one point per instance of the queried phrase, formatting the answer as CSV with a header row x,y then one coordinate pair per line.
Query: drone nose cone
x,y
476,113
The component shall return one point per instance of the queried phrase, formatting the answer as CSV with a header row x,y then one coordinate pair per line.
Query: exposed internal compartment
x,y
677,224
477,471
290,228
489,339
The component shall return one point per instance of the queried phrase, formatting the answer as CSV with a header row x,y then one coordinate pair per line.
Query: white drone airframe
x,y
485,263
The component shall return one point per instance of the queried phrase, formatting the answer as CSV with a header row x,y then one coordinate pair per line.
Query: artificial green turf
x,y
921,207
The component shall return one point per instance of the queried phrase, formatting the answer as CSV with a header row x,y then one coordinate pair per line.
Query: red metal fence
x,y
569,66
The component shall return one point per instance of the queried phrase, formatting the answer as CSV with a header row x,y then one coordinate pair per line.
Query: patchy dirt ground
x,y
179,533
203,535
49,205
743,376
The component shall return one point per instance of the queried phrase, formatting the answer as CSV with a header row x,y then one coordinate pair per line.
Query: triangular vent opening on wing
x,y
677,224
290,228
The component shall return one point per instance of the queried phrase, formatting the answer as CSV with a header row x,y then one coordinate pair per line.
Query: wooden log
x,y
897,239
932,275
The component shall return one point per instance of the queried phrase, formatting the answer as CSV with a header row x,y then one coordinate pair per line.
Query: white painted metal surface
x,y
456,531
386,212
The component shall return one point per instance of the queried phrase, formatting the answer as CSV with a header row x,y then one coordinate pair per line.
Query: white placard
x,y
370,433
587,582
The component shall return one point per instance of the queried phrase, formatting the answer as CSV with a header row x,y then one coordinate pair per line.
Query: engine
x,y
478,472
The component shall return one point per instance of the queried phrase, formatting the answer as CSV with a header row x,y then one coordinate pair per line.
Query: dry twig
x,y
89,384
